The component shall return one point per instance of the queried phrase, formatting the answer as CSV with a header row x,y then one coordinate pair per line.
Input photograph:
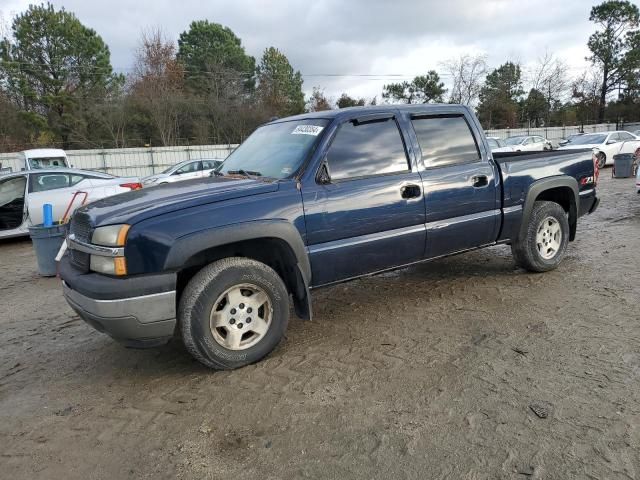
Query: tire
x,y
211,337
527,251
602,160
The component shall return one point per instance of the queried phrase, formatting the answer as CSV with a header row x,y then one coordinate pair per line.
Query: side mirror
x,y
324,177
611,142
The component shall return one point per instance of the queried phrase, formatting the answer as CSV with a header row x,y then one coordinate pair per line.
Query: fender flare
x,y
187,246
543,185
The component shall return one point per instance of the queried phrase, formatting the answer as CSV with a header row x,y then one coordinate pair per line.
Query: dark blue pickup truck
x,y
305,202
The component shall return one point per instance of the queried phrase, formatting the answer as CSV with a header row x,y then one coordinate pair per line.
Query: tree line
x,y
57,84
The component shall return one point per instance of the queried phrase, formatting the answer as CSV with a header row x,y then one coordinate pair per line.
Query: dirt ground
x,y
427,372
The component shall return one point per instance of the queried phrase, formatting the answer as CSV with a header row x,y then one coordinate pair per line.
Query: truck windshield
x,y
276,150
47,162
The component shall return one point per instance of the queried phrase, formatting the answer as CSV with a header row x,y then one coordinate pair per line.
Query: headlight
x,y
111,235
108,265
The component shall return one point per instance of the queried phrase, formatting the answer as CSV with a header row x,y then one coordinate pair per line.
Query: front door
x,y
370,214
12,206
460,186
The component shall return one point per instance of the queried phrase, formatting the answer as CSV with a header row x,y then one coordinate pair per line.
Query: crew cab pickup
x,y
305,202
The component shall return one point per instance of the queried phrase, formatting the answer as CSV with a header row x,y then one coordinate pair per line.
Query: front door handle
x,y
410,191
479,181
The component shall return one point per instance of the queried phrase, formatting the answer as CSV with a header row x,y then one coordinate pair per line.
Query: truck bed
x,y
502,157
520,169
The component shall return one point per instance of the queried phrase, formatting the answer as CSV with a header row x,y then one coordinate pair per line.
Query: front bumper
x,y
134,317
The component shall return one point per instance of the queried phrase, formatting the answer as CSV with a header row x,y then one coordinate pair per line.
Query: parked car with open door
x,y
22,194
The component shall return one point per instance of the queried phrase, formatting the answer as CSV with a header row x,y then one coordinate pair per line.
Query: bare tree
x,y
585,93
318,101
549,77
158,84
467,72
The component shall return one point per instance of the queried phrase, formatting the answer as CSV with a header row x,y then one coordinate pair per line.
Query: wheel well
x,y
564,197
274,252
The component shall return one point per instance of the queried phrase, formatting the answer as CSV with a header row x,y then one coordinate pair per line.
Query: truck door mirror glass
x,y
324,178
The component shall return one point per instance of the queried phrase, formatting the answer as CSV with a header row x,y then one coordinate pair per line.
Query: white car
x,y
605,145
497,145
22,194
528,143
186,170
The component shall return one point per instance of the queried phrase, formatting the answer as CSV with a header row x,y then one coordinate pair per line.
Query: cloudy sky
x,y
356,45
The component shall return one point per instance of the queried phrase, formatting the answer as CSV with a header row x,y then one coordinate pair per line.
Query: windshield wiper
x,y
247,173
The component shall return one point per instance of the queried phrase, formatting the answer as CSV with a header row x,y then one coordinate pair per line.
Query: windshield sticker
x,y
286,170
307,130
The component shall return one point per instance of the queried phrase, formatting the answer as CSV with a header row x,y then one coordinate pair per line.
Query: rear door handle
x,y
410,191
479,181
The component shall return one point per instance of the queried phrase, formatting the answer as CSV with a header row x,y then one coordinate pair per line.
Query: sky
x,y
355,46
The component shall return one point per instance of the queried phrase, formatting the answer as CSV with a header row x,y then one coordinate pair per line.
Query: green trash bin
x,y
623,165
46,243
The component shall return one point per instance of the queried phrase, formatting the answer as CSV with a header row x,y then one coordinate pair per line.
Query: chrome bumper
x,y
142,321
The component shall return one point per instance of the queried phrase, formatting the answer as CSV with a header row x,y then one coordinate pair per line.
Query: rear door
x,y
368,214
209,166
460,184
188,171
58,190
539,144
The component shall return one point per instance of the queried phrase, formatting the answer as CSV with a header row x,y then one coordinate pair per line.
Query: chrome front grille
x,y
81,228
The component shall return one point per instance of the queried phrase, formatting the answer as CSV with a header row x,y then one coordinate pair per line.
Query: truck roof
x,y
44,153
343,112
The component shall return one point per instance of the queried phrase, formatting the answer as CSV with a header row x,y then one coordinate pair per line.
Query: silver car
x,y
22,194
186,170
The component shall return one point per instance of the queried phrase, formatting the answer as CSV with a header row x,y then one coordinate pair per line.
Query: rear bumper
x,y
132,314
588,202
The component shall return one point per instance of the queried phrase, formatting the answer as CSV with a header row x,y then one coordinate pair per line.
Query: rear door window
x,y
189,168
366,148
445,140
624,136
42,182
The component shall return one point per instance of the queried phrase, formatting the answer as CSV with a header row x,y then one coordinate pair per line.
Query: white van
x,y
40,158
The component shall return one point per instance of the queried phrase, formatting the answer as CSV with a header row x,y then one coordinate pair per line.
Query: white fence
x,y
553,133
137,162
146,161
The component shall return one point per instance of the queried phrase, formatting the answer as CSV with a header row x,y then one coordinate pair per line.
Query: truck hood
x,y
138,205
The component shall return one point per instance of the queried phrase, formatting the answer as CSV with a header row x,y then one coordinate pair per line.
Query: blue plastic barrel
x,y
46,243
47,215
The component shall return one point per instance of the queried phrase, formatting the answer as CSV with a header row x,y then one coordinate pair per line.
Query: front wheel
x,y
545,239
602,160
233,312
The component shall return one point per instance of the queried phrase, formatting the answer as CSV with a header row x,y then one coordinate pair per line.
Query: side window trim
x,y
472,131
365,120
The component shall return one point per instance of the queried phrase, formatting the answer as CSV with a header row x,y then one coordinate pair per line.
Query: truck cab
x,y
41,158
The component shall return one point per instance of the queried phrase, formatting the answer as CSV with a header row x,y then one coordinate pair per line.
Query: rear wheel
x,y
233,312
545,239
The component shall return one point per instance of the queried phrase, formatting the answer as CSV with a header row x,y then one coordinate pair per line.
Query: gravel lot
x,y
427,372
